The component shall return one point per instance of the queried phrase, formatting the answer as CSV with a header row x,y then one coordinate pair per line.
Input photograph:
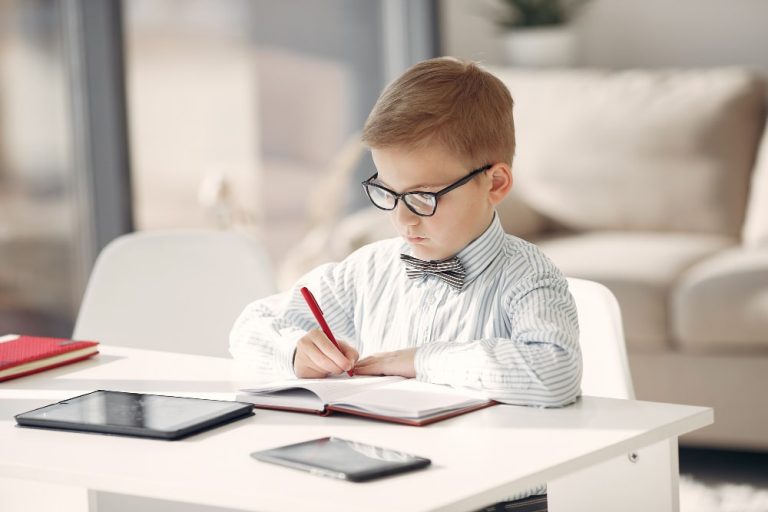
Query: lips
x,y
415,239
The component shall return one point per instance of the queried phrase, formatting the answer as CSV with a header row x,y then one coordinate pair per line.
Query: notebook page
x,y
411,399
293,398
327,390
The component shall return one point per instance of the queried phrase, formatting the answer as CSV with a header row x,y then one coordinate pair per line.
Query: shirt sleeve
x,y
539,364
266,332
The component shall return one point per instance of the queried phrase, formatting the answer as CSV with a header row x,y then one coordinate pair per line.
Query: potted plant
x,y
538,33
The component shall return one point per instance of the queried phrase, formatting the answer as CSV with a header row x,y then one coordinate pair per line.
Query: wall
x,y
631,33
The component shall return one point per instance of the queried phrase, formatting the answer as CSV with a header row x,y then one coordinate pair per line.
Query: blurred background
x,y
235,114
222,114
163,114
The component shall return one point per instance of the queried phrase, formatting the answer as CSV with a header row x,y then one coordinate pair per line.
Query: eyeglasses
x,y
423,204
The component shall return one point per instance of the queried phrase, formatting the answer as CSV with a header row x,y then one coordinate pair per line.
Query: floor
x,y
716,467
723,481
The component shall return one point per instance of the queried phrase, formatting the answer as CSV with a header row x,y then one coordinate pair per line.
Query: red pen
x,y
313,306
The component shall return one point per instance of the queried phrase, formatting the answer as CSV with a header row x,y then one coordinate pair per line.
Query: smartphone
x,y
340,458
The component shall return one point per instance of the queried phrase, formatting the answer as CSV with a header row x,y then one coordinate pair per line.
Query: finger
x,y
369,369
371,361
308,372
320,361
349,352
330,351
373,358
304,368
365,362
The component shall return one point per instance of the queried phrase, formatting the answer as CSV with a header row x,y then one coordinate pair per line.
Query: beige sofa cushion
x,y
637,150
721,303
756,224
639,268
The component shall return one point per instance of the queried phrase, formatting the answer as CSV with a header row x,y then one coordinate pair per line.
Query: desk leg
x,y
647,480
28,496
113,502
93,501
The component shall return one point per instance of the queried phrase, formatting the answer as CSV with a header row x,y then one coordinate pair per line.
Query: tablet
x,y
135,414
340,458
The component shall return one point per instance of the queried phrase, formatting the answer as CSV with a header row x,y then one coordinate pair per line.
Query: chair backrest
x,y
178,291
606,369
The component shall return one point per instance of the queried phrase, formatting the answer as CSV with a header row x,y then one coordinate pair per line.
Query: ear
x,y
501,182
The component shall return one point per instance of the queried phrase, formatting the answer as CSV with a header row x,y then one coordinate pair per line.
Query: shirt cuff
x,y
445,363
284,349
427,362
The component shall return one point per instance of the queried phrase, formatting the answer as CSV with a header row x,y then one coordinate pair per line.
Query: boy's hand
x,y
317,357
399,362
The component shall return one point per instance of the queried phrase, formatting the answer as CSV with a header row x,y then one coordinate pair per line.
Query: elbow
x,y
563,387
237,342
563,395
234,340
553,388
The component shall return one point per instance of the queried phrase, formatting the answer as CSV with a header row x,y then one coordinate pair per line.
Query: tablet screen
x,y
121,412
341,458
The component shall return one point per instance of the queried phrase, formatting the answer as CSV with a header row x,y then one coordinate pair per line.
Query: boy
x,y
454,300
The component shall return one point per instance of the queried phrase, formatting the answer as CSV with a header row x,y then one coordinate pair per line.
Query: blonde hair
x,y
450,102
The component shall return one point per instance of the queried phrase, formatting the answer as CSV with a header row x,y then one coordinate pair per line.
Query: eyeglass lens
x,y
381,197
422,204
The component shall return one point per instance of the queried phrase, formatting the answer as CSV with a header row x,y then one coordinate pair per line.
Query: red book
x,y
23,355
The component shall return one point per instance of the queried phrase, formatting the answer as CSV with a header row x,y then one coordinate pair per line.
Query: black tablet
x,y
340,458
135,414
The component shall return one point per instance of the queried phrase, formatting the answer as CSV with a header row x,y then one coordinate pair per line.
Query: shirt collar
x,y
482,250
479,253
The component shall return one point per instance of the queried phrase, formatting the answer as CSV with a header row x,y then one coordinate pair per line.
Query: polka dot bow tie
x,y
451,270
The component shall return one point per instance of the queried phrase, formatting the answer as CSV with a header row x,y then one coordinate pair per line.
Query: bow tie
x,y
451,270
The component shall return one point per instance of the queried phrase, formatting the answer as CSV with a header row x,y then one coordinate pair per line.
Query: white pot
x,y
540,47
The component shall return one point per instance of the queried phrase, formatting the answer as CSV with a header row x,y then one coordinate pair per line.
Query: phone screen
x,y
341,458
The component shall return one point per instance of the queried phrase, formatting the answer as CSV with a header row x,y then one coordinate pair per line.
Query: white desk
x,y
477,458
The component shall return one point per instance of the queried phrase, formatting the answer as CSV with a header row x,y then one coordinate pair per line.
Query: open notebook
x,y
393,399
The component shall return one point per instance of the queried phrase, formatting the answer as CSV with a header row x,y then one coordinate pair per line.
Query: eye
x,y
422,203
381,197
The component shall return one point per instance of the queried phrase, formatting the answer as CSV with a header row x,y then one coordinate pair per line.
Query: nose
x,y
404,216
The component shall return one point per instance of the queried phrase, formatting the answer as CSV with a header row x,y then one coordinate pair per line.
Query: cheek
x,y
457,211
460,215
446,224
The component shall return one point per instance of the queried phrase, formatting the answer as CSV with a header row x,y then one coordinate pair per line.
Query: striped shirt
x,y
510,332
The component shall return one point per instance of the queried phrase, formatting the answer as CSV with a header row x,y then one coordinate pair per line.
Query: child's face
x,y
461,215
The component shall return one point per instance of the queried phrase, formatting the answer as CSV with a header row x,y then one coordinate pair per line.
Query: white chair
x,y
607,374
178,291
606,370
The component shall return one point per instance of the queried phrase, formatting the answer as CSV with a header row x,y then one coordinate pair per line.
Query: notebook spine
x,y
48,367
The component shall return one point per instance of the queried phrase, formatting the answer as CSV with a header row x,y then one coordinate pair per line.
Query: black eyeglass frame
x,y
456,184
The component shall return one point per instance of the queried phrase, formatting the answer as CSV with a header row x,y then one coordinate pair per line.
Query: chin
x,y
424,253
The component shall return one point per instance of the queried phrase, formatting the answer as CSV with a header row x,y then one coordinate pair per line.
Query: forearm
x,y
263,341
538,374
267,331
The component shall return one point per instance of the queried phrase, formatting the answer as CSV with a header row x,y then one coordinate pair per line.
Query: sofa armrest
x,y
721,303
755,232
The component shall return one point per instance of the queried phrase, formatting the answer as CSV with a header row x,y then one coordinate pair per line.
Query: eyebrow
x,y
414,188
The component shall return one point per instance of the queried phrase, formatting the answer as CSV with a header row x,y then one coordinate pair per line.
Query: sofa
x,y
654,183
